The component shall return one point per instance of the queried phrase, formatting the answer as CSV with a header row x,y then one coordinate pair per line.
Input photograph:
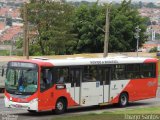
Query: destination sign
x,y
104,62
22,64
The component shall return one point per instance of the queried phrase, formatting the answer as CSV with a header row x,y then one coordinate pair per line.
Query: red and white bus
x,y
45,84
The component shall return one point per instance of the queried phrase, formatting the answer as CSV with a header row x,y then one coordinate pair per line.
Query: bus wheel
x,y
60,106
123,100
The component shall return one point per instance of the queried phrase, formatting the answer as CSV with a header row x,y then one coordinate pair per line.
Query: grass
x,y
117,114
7,53
4,52
146,110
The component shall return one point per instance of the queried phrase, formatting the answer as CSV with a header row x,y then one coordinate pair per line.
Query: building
x,y
149,45
11,34
158,3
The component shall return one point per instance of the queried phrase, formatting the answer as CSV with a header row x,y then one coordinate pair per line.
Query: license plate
x,y
17,106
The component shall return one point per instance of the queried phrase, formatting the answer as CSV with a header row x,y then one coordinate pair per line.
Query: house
x,y
11,34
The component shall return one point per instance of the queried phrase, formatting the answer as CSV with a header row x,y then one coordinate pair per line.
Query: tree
x,y
89,24
59,28
122,28
151,5
51,22
140,4
157,36
153,50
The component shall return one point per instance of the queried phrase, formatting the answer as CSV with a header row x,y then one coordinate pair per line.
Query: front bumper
x,y
32,105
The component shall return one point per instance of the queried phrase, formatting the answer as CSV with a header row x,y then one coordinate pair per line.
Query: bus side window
x,y
132,71
75,77
100,76
62,75
71,78
90,74
46,80
118,72
148,70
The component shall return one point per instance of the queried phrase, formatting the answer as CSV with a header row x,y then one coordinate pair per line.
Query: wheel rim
x,y
123,100
60,106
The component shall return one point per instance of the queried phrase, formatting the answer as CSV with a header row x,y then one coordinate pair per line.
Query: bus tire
x,y
61,106
123,99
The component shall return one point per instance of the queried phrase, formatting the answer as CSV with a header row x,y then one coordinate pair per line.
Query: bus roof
x,y
89,61
93,61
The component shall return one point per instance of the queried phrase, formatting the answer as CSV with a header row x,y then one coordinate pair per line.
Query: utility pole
x,y
106,33
137,37
25,41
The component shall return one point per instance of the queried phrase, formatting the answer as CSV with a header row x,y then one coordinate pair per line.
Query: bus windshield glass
x,y
21,78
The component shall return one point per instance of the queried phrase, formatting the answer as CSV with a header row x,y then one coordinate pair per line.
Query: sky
x,y
117,0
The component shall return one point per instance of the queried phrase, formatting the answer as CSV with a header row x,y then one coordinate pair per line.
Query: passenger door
x,y
90,87
104,77
46,89
75,76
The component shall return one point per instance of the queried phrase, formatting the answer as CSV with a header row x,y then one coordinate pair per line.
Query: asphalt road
x,y
16,114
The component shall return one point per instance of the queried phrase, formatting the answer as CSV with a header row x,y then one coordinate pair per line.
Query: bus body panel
x,y
106,94
139,89
48,99
21,102
89,93
117,87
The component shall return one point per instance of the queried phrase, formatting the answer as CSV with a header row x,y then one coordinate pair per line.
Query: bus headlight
x,y
7,102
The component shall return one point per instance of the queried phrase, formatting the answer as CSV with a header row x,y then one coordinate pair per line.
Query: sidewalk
x,y
1,95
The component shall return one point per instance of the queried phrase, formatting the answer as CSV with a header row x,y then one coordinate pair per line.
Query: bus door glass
x,y
90,86
75,77
46,89
104,77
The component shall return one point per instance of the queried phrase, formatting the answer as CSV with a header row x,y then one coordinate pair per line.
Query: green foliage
x,y
90,20
157,36
122,28
61,28
4,52
19,43
52,23
116,114
153,50
141,4
19,52
151,5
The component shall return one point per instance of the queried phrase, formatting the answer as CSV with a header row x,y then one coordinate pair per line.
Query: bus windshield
x,y
22,81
